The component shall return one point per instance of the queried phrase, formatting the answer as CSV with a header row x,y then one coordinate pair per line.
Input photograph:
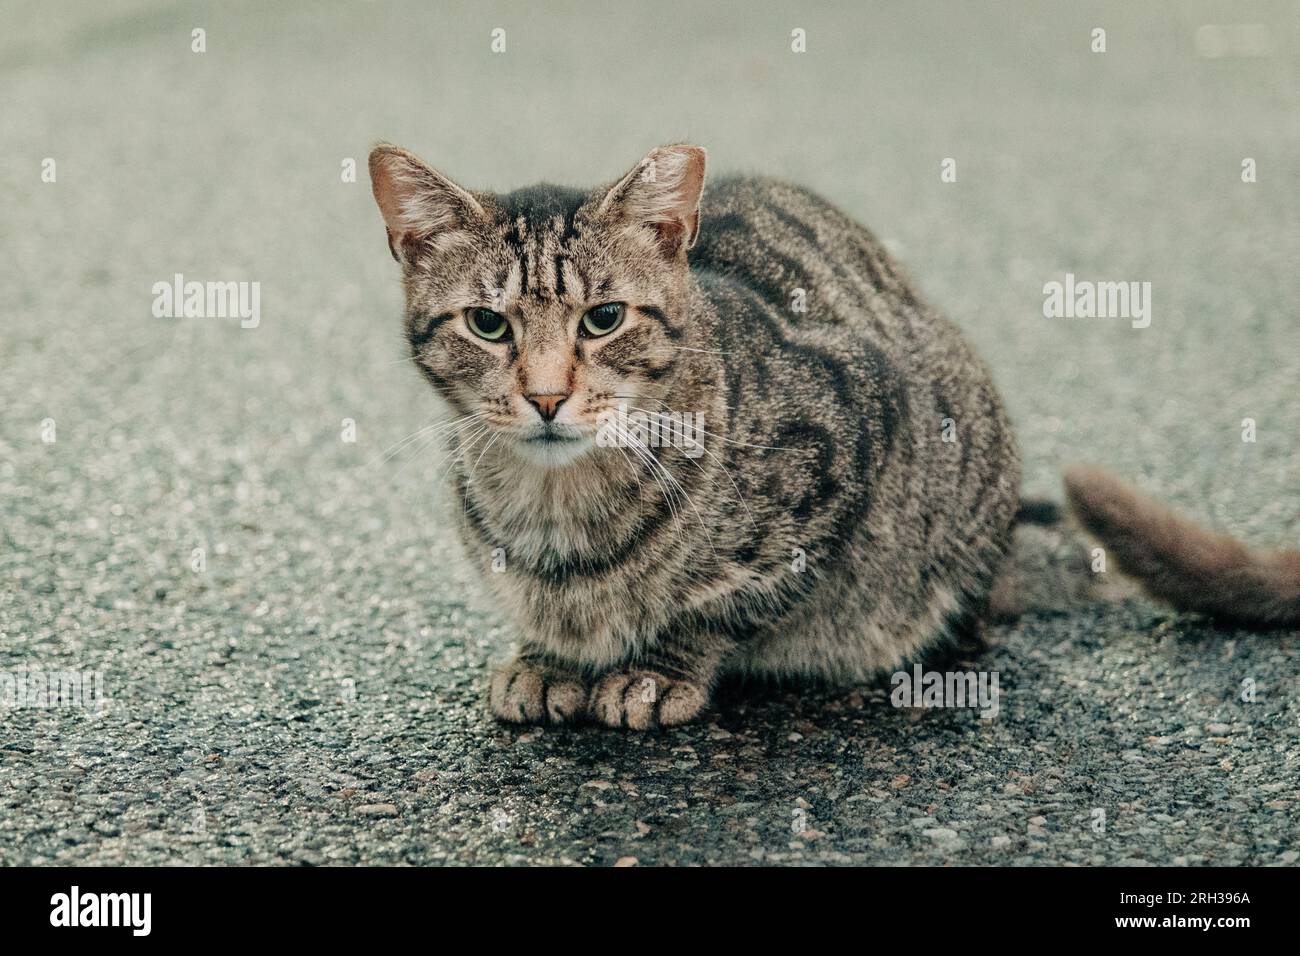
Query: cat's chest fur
x,y
591,562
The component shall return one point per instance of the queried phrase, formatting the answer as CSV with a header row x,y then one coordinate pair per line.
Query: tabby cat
x,y
850,490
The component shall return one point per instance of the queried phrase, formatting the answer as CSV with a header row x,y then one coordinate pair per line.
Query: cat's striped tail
x,y
1181,564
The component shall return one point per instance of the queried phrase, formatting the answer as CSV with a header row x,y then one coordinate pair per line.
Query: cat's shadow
x,y
818,703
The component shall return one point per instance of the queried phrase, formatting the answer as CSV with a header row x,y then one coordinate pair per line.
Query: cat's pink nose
x,y
547,405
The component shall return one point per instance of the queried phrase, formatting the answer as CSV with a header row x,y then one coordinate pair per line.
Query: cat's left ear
x,y
662,192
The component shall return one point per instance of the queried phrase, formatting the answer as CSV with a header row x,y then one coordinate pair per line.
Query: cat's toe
x,y
681,702
523,693
642,700
566,701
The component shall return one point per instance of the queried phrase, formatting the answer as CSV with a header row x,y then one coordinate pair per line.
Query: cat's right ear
x,y
416,200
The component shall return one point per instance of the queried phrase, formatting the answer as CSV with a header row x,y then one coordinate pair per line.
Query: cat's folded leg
x,y
534,689
670,685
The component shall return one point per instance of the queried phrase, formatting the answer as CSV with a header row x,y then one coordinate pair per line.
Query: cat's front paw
x,y
643,700
523,692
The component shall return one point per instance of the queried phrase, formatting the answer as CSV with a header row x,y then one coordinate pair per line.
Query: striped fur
x,y
829,529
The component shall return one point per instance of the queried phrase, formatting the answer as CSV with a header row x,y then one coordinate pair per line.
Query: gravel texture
x,y
313,694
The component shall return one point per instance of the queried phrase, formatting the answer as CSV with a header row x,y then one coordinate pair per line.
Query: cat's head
x,y
543,308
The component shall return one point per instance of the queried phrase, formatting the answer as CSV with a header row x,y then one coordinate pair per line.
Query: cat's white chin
x,y
554,454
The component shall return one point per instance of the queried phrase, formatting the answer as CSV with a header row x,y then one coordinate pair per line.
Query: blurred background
x,y
326,564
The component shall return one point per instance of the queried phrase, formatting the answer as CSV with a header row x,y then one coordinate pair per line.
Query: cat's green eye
x,y
487,324
603,319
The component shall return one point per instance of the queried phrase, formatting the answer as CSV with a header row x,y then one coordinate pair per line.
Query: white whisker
x,y
421,432
725,470
676,484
